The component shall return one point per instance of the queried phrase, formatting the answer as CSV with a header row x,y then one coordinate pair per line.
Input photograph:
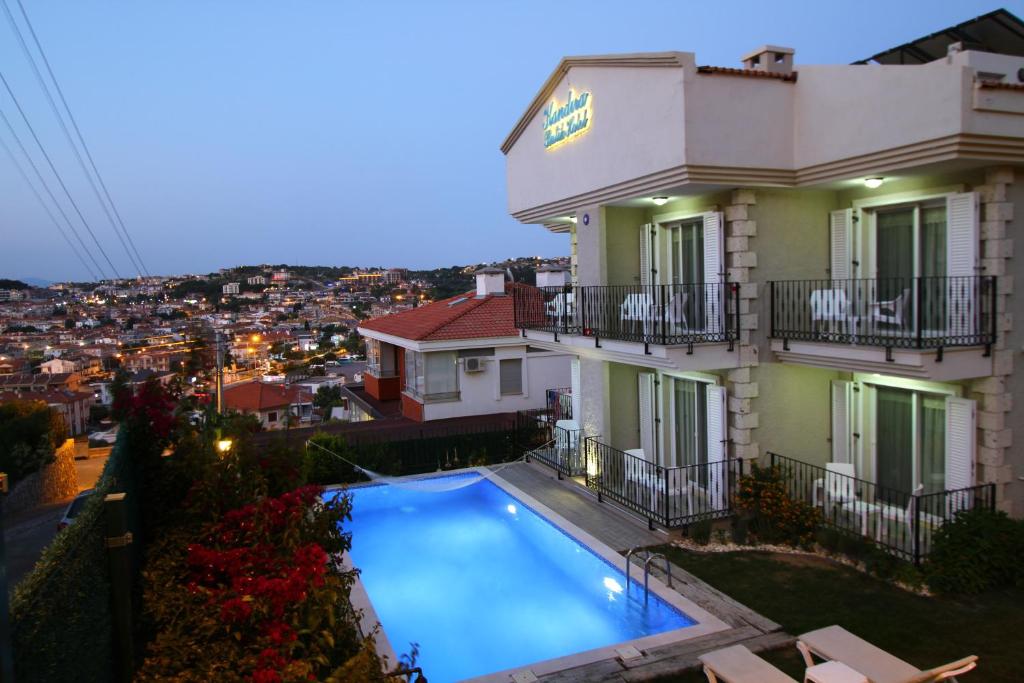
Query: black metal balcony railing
x,y
670,315
669,496
902,522
911,312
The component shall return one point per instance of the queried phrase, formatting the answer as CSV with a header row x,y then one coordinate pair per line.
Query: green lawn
x,y
803,593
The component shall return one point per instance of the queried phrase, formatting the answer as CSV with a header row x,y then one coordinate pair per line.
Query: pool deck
x,y
622,530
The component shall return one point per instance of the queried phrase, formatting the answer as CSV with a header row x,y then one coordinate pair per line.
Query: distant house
x,y
271,403
230,288
72,405
58,365
461,356
256,280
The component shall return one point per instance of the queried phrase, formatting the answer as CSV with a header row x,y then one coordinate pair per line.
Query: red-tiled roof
x,y
256,396
750,73
460,317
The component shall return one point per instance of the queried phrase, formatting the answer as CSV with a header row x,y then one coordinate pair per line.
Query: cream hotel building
x,y
805,265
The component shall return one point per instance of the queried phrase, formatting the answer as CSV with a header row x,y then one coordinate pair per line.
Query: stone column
x,y
995,433
741,381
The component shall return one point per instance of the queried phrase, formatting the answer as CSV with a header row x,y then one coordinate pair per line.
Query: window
x,y
272,416
414,372
442,374
511,372
373,356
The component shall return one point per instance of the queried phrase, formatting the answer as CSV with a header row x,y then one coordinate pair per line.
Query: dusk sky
x,y
331,133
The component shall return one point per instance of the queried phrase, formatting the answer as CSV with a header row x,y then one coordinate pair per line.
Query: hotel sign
x,y
567,121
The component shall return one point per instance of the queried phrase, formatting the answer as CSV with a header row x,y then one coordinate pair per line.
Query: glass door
x,y
690,425
685,301
910,443
910,253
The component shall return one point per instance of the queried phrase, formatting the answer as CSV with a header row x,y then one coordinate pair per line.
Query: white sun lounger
x,y
836,643
737,664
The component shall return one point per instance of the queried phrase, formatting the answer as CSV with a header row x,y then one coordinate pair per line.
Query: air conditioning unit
x,y
475,364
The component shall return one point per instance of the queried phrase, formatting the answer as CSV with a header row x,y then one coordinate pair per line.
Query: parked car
x,y
104,438
74,508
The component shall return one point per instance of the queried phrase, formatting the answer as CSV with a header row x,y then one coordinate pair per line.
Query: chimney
x,y
490,281
770,58
550,275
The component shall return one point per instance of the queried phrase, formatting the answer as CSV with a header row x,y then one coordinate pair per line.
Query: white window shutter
x,y
840,233
714,269
962,239
646,255
646,404
960,440
842,421
962,234
577,394
717,440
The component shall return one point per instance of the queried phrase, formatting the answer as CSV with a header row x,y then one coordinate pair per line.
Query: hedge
x,y
60,614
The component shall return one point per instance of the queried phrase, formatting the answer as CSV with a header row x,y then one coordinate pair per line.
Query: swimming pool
x,y
482,583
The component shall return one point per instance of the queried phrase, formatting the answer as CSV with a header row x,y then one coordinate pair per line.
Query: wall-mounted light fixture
x,y
872,183
659,201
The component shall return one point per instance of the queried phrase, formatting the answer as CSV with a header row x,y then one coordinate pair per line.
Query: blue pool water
x,y
482,583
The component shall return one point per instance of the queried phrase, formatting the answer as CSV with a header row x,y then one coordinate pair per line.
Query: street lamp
x,y
224,446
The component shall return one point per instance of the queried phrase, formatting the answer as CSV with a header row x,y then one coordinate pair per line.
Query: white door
x,y
718,481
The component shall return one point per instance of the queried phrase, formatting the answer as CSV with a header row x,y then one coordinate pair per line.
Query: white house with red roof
x,y
461,356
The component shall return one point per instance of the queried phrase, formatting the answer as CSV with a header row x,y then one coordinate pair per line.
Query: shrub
x,y
979,550
772,515
700,532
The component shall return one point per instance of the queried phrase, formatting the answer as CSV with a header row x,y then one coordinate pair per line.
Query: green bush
x,y
979,550
700,532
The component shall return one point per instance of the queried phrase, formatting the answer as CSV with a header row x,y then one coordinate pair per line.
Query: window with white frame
x,y
373,356
432,374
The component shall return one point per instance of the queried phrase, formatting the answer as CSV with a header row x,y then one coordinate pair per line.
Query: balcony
x,y
630,318
906,326
668,496
901,522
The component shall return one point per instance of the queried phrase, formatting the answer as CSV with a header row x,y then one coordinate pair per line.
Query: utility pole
x,y
219,341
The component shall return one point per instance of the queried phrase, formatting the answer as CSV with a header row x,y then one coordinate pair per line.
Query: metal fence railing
x,y
669,496
547,438
901,522
669,315
907,312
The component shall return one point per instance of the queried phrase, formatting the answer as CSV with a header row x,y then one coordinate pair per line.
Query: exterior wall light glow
x,y
572,219
224,445
872,183
659,201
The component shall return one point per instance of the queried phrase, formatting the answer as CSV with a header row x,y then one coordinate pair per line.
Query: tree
x,y
327,397
69,323
121,393
30,432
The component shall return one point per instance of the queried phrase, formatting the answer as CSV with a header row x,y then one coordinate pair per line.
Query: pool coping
x,y
705,622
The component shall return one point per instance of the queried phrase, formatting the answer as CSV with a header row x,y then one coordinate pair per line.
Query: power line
x,y
42,202
60,120
46,187
60,180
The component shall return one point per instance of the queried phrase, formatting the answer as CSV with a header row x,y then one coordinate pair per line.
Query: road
x,y
27,534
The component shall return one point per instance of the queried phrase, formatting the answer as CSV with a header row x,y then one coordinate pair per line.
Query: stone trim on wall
x,y
995,433
741,382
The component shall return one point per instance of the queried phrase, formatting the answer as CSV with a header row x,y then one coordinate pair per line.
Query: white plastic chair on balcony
x,y
675,312
561,307
890,312
905,514
638,307
832,307
838,486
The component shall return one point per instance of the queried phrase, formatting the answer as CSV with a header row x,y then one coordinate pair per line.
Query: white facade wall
x,y
480,394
